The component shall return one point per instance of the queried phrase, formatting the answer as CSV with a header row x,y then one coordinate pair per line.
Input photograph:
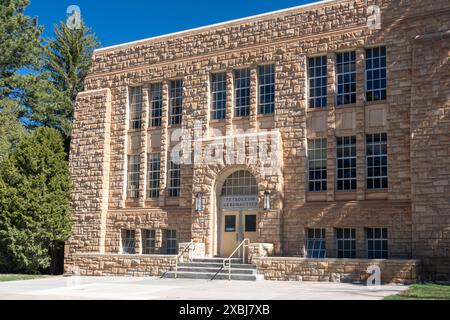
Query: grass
x,y
14,277
427,291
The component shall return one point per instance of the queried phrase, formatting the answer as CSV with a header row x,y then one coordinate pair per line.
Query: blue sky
x,y
119,21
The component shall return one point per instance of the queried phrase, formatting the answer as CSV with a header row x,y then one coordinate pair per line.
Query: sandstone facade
x,y
414,208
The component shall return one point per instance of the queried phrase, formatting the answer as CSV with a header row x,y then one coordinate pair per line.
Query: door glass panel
x,y
230,223
250,223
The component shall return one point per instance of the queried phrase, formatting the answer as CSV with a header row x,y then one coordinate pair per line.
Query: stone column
x,y
331,125
143,148
165,143
360,127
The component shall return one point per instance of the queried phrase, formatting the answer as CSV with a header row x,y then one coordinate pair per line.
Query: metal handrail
x,y
243,245
179,255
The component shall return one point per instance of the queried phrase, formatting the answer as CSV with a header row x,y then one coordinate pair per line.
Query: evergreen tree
x,y
67,60
34,202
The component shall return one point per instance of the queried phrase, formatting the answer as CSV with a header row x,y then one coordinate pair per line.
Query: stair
x,y
209,268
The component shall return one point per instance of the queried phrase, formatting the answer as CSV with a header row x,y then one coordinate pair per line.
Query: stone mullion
x,y
143,147
253,99
331,127
360,126
164,143
230,103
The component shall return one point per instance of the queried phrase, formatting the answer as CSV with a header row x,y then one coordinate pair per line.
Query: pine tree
x,y
34,202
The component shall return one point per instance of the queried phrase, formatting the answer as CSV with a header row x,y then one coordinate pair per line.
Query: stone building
x,y
320,132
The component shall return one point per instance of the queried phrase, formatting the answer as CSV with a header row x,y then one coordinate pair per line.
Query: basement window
x,y
315,245
148,241
128,241
346,242
377,243
170,240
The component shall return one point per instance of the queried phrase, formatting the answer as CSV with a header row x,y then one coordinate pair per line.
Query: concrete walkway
x,y
80,288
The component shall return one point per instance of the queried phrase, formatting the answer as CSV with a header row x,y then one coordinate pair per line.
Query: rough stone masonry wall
x,y
89,167
120,265
337,270
430,152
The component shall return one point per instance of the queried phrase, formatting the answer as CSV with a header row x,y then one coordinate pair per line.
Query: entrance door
x,y
237,225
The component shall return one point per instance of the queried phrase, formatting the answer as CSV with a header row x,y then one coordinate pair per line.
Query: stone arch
x,y
209,180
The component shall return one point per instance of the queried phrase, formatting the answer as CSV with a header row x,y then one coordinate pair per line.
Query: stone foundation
x,y
336,270
120,265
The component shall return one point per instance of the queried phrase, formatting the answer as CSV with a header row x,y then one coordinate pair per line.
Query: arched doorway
x,y
237,208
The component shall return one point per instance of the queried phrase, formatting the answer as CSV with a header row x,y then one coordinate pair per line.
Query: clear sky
x,y
119,21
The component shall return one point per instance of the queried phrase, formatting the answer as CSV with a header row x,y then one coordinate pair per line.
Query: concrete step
x,y
216,260
209,275
215,265
215,270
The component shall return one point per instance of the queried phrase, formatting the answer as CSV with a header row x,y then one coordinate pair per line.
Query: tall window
x,y
346,77
346,163
315,247
128,241
266,76
346,242
376,160
148,241
317,164
135,107
218,95
133,176
242,92
170,241
376,74
153,167
155,104
174,179
176,101
377,243
317,76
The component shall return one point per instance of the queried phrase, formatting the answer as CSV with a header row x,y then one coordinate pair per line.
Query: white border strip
x,y
303,6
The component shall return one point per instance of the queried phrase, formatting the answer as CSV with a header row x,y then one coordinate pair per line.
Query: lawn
x,y
427,291
14,277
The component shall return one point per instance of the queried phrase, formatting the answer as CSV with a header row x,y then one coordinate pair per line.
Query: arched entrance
x,y
237,211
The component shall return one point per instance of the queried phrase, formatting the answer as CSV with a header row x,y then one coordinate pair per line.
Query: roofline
x,y
303,6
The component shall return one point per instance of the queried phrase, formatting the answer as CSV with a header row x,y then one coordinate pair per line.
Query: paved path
x,y
61,288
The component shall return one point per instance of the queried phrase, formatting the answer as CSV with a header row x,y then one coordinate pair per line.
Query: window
x,y
171,241
230,223
376,74
174,179
241,183
176,101
377,243
315,246
155,104
218,95
135,107
242,92
148,241
250,223
317,76
346,163
346,243
266,89
317,164
376,160
346,77
133,176
153,167
128,241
